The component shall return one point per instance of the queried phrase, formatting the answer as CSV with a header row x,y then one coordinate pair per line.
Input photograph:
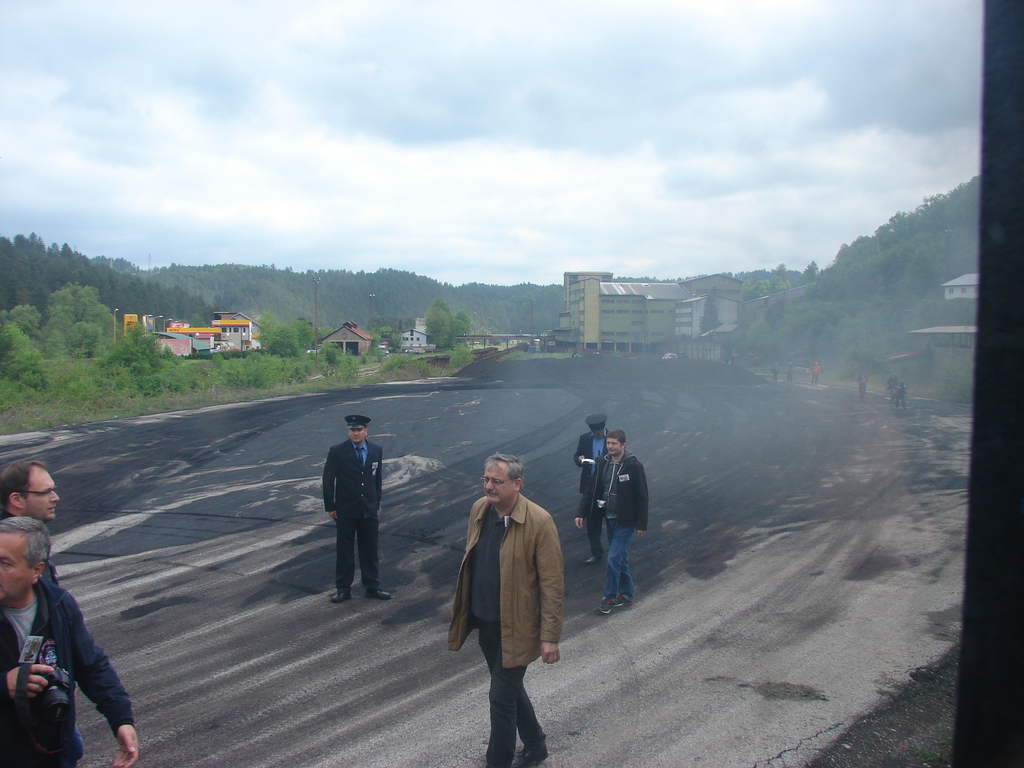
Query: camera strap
x,y
21,696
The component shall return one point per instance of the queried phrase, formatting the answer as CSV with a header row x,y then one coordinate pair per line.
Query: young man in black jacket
x,y
618,493
45,647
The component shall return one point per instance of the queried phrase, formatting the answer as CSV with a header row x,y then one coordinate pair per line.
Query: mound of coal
x,y
648,371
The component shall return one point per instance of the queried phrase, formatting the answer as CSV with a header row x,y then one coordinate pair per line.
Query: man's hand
x,y
334,515
579,523
127,747
549,652
640,533
36,684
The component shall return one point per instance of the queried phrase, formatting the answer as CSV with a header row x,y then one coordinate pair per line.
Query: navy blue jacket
x,y
351,490
585,447
58,618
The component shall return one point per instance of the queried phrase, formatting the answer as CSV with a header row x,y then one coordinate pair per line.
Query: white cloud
x,y
491,142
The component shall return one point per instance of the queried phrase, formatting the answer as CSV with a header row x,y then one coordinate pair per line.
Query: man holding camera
x,y
48,653
618,494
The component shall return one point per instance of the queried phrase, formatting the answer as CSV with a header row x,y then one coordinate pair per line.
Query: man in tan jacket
x,y
510,588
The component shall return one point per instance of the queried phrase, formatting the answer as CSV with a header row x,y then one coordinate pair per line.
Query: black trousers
x,y
511,709
363,530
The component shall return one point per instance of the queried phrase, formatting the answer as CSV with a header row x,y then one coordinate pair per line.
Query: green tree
x,y
278,338
461,324
810,273
78,324
19,362
26,317
439,324
140,357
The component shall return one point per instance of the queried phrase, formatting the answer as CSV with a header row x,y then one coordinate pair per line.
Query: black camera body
x,y
54,703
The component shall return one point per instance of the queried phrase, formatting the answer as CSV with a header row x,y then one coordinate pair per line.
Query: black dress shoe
x,y
341,596
378,594
592,560
527,757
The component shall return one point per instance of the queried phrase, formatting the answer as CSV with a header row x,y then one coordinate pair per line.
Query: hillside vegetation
x,y
398,297
857,313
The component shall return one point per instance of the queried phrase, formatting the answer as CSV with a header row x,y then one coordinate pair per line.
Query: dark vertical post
x,y
990,702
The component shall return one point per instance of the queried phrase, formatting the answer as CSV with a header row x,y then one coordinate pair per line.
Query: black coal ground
x,y
804,556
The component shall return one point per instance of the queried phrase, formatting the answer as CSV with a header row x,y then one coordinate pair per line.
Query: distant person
x,y
589,449
890,383
510,588
775,371
789,371
352,485
27,490
815,374
862,384
617,493
900,394
46,654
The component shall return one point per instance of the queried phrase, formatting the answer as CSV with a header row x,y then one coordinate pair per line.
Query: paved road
x,y
805,554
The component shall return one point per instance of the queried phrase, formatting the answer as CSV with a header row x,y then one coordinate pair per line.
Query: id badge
x,y
373,467
30,651
623,478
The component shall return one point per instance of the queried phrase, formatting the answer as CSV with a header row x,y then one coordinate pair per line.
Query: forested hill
x,y
857,315
912,254
399,296
30,271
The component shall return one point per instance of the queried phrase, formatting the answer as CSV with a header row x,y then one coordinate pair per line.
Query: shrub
x,y
461,357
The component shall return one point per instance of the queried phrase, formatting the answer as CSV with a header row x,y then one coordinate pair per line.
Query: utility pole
x,y
316,324
371,312
115,324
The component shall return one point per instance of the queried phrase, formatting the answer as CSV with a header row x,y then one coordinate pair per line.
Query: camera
x,y
586,461
54,703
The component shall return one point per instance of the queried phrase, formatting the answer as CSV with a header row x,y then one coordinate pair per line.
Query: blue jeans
x,y
618,581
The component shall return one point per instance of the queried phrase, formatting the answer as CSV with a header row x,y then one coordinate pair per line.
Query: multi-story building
x,y
237,331
601,314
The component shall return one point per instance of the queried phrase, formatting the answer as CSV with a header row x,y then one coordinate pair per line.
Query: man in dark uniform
x,y
590,448
352,484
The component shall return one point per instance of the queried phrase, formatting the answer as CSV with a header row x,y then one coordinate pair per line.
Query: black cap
x,y
357,421
596,421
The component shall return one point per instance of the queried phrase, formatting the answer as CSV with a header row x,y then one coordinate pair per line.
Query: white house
x,y
413,338
963,287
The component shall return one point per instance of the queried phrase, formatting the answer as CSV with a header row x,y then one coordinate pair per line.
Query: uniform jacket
x,y
58,618
351,490
628,497
585,447
532,587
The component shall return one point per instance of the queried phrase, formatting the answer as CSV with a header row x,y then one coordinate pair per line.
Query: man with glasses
x,y
352,485
510,588
27,490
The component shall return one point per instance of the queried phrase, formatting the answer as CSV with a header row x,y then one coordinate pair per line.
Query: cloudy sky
x,y
482,141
